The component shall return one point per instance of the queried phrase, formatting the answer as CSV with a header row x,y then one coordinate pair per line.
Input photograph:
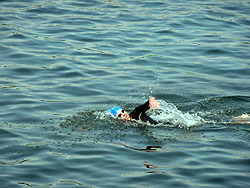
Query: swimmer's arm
x,y
139,110
153,104
150,104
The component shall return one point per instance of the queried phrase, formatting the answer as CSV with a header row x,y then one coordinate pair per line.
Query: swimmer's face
x,y
122,114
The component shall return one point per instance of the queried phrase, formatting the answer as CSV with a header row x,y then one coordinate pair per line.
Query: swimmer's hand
x,y
153,104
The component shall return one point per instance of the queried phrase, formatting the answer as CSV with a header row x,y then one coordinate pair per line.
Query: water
x,y
64,63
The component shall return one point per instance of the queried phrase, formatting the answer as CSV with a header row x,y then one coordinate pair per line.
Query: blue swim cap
x,y
114,111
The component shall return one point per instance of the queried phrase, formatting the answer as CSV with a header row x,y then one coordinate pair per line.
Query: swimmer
x,y
139,113
242,116
242,119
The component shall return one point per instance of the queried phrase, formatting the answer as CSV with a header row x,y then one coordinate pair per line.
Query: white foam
x,y
168,113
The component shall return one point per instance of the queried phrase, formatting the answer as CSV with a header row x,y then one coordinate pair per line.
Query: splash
x,y
169,114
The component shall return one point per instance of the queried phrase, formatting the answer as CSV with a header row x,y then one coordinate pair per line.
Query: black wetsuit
x,y
139,113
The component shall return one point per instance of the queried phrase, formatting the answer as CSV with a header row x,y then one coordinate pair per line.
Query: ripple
x,y
64,63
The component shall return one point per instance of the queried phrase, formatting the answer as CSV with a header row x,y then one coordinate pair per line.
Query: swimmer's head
x,y
113,111
119,113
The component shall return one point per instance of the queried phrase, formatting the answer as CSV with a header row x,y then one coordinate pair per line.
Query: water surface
x,y
64,63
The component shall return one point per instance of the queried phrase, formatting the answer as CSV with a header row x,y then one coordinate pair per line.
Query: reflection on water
x,y
147,149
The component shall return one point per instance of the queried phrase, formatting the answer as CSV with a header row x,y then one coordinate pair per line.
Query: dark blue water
x,y
64,63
